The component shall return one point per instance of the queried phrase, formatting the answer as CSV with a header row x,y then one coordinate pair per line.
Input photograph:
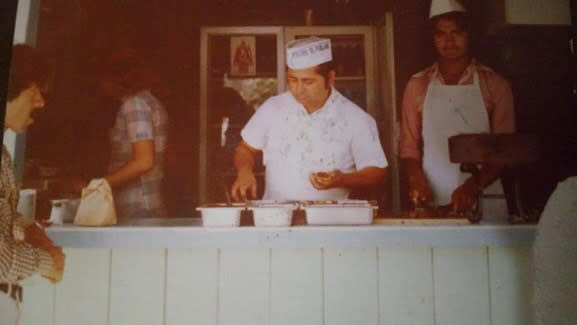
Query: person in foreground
x,y
555,258
24,247
316,144
456,95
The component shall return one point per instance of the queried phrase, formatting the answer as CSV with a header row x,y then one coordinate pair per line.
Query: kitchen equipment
x,y
272,214
499,149
221,214
63,210
346,212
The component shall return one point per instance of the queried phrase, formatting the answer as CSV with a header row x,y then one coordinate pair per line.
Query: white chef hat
x,y
308,52
439,7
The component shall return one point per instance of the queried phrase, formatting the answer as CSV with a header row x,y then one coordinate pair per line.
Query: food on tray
x,y
279,215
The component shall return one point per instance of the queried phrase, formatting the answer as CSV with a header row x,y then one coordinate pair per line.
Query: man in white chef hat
x,y
455,95
316,143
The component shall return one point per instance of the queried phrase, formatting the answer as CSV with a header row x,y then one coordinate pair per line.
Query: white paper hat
x,y
308,52
439,7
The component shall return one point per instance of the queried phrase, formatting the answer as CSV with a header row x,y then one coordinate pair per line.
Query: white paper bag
x,y
96,205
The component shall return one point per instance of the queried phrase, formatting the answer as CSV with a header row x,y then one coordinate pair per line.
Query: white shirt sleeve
x,y
366,145
255,132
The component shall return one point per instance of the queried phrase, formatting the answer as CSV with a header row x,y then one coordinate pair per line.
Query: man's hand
x,y
58,260
35,236
464,198
243,186
326,180
419,190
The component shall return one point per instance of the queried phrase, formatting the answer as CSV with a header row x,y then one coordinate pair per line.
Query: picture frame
x,y
242,56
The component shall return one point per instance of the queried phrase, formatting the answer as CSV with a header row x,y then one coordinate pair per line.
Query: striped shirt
x,y
141,117
18,259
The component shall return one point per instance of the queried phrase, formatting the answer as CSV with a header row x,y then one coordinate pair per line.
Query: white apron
x,y
449,110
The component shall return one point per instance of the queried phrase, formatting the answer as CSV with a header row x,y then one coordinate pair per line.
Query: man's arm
x,y
419,190
411,142
20,259
142,161
366,177
245,183
502,120
465,196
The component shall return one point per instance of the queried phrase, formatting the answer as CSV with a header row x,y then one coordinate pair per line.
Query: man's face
x,y
450,41
19,112
309,87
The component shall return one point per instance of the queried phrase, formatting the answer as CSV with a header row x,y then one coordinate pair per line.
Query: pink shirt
x,y
497,96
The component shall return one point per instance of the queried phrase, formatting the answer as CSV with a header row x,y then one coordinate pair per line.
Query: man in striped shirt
x,y
24,247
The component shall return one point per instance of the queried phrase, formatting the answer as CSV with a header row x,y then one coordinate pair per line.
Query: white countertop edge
x,y
180,235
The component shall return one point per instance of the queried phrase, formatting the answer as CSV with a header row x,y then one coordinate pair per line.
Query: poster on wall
x,y
242,56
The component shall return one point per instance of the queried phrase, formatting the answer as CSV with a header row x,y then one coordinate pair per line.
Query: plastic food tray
x,y
221,215
272,215
341,213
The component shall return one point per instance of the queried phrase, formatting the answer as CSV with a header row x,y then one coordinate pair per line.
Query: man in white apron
x,y
316,144
456,95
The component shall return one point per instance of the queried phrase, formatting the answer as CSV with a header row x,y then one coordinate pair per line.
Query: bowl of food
x,y
221,214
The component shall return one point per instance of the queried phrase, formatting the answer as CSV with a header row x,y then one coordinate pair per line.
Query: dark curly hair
x,y
28,66
127,70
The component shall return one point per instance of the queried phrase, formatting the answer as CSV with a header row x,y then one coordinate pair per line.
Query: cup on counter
x,y
27,203
63,210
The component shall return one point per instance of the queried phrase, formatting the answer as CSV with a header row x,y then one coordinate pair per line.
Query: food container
x,y
221,214
63,210
272,214
340,213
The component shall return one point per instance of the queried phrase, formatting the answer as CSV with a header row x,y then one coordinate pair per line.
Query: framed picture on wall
x,y
242,56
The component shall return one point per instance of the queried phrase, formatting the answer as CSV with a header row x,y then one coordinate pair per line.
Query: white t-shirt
x,y
295,144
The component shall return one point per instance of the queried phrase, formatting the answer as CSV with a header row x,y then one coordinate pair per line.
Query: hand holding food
x,y
326,180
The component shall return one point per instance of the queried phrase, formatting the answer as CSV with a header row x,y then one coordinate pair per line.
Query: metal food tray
x,y
272,213
221,214
345,212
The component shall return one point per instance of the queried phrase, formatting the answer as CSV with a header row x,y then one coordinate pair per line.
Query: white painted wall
x,y
324,286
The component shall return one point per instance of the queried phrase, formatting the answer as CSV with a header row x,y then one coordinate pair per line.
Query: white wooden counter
x,y
181,273
189,233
